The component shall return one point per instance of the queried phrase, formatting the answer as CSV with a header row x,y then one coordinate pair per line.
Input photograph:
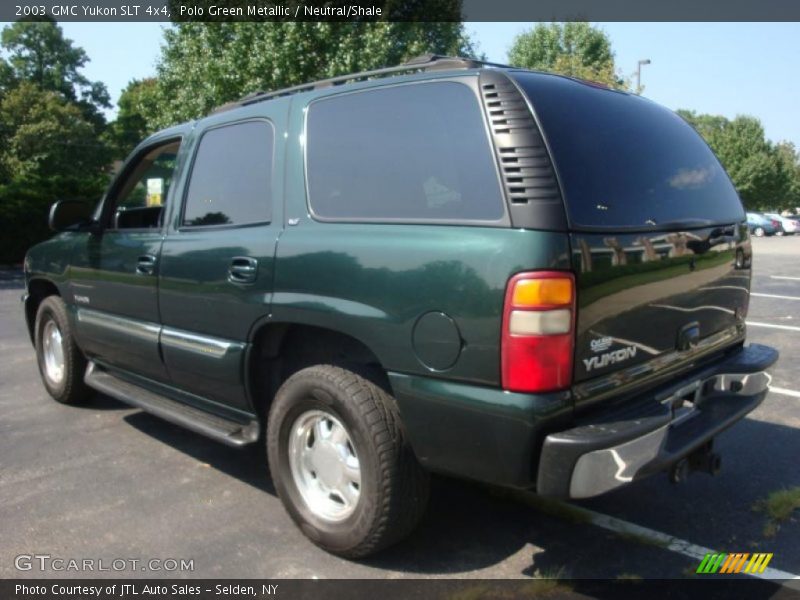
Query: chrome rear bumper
x,y
652,433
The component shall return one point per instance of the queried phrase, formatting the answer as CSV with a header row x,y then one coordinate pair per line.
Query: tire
x,y
758,231
393,488
68,388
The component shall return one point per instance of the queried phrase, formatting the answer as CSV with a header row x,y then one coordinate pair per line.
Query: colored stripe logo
x,y
742,562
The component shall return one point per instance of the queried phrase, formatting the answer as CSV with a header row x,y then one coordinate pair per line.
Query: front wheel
x,y
341,463
61,363
758,232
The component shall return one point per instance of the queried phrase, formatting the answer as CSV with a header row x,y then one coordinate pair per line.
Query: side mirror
x,y
66,214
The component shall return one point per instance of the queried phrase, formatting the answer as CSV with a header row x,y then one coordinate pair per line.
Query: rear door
x,y
216,273
658,234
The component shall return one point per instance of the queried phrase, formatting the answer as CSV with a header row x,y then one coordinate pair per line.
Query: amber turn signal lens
x,y
553,291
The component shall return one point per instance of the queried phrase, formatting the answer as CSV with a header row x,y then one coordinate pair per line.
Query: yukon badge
x,y
609,358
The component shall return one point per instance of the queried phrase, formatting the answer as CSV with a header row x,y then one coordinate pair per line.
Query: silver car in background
x,y
789,226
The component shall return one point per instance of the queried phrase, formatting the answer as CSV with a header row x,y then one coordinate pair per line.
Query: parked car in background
x,y
789,226
759,225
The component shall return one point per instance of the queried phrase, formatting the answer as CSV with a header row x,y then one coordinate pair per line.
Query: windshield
x,y
625,162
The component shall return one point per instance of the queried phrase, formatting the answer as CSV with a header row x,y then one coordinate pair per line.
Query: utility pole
x,y
644,61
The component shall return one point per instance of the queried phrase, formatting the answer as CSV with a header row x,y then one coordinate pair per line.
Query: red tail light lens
x,y
538,332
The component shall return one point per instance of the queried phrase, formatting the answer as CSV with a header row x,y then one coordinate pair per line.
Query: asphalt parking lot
x,y
106,481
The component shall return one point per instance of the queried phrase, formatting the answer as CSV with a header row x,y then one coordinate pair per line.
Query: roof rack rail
x,y
425,62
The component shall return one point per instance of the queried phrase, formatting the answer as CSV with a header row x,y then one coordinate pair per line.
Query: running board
x,y
224,430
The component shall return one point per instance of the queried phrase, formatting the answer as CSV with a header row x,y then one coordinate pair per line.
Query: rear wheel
x,y
61,363
341,463
758,232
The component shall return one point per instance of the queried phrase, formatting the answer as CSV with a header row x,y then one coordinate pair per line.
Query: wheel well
x,y
281,349
38,290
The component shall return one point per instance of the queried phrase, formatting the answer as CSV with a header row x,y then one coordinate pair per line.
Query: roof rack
x,y
425,62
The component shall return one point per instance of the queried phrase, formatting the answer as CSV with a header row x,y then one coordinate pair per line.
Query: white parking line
x,y
785,277
672,543
772,326
784,391
774,296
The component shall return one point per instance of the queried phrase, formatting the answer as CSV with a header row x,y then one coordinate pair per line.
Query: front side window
x,y
140,196
416,152
231,181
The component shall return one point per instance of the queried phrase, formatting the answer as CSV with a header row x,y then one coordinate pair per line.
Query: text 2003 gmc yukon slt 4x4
x,y
447,266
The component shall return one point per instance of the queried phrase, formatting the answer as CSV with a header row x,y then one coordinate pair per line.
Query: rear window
x,y
626,162
416,152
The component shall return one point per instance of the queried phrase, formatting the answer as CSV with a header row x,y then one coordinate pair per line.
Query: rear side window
x,y
416,152
626,162
231,182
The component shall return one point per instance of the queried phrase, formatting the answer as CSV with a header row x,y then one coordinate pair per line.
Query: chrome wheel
x,y
324,465
53,352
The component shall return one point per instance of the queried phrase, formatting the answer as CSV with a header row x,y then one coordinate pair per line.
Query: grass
x,y
778,506
544,583
475,592
566,512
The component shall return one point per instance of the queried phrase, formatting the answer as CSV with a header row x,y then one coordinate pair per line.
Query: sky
x,y
718,68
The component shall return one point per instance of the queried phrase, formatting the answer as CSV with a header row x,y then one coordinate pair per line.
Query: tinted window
x,y
138,196
408,152
625,161
150,179
232,176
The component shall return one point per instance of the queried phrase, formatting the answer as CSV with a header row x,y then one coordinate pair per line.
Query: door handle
x,y
146,264
243,269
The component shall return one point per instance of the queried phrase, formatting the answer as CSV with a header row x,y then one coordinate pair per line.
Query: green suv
x,y
443,267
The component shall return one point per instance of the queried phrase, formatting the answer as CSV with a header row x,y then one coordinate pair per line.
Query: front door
x,y
115,274
215,278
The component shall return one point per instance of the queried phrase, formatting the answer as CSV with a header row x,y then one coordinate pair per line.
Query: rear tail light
x,y
538,338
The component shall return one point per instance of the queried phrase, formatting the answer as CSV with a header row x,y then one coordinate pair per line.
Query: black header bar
x,y
400,10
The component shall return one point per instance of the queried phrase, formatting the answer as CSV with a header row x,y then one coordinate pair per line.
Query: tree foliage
x,y
204,65
576,49
789,160
47,138
50,128
39,53
139,98
764,173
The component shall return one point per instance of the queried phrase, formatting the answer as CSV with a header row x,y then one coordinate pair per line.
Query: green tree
x,y
138,99
37,52
204,65
577,49
51,123
790,162
49,151
47,137
752,161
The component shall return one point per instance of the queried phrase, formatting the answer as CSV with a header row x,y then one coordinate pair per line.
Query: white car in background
x,y
790,226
